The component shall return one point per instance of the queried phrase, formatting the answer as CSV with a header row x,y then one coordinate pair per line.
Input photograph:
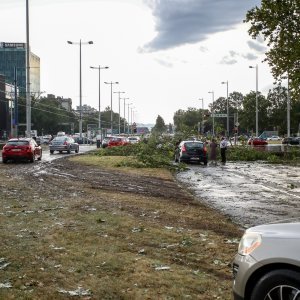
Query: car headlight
x,y
249,242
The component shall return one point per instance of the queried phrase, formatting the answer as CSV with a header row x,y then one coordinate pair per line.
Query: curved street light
x,y
213,111
80,83
111,110
256,102
202,125
99,117
124,99
119,110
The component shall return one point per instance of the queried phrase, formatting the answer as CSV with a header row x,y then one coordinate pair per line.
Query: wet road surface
x,y
249,193
49,157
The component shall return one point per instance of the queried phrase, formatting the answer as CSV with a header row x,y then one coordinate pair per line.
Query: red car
x,y
117,141
21,149
257,142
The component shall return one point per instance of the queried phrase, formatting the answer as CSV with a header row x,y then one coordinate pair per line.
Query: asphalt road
x,y
250,193
49,157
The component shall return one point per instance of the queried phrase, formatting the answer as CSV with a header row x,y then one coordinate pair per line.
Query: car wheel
x,y
77,150
205,162
51,151
4,160
32,158
40,157
277,284
69,151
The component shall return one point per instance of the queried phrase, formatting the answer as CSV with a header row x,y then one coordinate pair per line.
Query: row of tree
x,y
48,116
272,114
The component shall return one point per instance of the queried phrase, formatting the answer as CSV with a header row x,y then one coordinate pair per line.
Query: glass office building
x,y
13,61
13,56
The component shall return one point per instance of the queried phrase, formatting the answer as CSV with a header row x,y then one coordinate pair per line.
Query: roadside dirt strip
x,y
72,229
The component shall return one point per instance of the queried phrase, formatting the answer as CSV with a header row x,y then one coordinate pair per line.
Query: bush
x,y
156,153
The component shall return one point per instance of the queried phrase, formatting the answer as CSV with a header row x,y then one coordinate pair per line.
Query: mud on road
x,y
250,193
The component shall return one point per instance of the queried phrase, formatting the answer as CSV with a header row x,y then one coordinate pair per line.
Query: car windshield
x,y
60,139
17,143
193,145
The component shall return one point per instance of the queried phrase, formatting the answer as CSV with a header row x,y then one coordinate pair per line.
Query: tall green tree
x,y
279,23
247,116
187,121
160,126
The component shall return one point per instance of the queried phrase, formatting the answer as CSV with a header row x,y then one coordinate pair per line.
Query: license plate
x,y
15,150
194,158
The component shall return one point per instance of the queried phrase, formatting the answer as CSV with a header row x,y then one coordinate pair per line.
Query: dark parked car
x,y
267,265
21,149
191,151
291,140
63,143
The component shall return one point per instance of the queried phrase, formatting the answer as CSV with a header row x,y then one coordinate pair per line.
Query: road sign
x,y
219,115
237,124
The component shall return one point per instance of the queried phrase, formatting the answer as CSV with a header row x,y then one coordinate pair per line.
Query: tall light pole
x,y
128,104
227,106
213,111
28,97
288,109
256,102
119,110
124,99
80,83
131,114
202,129
99,117
111,110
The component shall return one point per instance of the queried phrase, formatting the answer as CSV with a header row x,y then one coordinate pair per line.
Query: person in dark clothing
x,y
223,148
213,152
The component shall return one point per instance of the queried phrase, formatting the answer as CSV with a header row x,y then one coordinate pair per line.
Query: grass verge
x,y
63,236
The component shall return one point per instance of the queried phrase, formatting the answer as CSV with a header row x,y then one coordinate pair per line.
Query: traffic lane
x,y
50,157
249,193
46,156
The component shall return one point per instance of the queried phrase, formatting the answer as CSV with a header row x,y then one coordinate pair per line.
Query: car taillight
x,y
183,149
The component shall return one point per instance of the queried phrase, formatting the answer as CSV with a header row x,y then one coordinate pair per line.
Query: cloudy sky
x,y
165,54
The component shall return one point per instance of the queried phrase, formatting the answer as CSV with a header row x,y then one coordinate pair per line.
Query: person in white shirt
x,y
223,148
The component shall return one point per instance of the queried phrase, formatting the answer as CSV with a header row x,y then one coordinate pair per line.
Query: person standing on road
x,y
223,148
213,152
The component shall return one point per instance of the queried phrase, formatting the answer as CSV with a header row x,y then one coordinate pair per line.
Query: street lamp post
x,y
288,109
28,97
119,110
99,117
227,107
128,104
202,127
213,111
124,99
80,83
111,111
256,102
131,115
